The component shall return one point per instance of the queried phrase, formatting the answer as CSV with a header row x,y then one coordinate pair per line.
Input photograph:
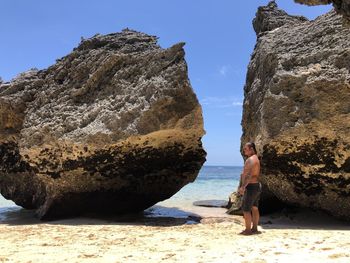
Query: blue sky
x,y
218,34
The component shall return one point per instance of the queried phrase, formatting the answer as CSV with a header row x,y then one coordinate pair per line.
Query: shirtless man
x,y
250,188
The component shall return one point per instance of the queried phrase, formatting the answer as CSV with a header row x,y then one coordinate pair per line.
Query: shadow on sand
x,y
302,218
289,218
154,216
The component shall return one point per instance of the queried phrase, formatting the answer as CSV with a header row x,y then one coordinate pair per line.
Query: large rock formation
x,y
113,127
341,6
297,109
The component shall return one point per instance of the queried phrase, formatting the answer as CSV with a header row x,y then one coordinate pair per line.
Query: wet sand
x,y
203,235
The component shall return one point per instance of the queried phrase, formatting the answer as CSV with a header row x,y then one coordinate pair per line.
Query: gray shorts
x,y
251,196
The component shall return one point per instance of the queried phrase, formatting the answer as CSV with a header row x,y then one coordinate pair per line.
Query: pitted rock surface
x,y
297,110
113,127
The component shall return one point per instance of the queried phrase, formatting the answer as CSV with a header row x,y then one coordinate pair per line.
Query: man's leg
x,y
256,216
255,211
247,203
248,222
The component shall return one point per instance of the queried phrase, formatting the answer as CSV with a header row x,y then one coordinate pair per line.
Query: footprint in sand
x,y
87,256
326,248
338,255
319,242
280,253
167,256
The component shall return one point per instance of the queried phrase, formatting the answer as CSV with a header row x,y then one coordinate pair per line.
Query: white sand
x,y
309,237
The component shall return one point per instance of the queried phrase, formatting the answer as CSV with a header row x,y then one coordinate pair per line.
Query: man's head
x,y
249,149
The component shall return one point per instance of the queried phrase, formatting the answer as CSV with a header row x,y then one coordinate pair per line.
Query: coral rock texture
x,y
113,127
297,109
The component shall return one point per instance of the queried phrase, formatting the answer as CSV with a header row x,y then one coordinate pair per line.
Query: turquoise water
x,y
5,203
213,182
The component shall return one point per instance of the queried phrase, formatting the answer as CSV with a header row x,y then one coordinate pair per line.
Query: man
x,y
250,188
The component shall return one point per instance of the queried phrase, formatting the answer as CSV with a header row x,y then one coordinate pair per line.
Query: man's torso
x,y
255,169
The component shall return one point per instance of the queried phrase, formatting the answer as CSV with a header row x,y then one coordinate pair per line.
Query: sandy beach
x,y
115,106
208,235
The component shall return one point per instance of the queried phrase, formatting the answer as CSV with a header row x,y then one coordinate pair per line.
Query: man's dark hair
x,y
252,145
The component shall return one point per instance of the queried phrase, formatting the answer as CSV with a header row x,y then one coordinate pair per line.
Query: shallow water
x,y
213,182
6,203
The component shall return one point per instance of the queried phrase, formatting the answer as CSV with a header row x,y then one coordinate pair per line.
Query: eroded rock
x,y
113,127
297,110
234,204
211,203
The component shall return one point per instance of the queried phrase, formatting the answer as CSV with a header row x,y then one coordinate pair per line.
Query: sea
x,y
212,183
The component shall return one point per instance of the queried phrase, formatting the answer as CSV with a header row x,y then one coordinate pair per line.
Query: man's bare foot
x,y
255,231
246,233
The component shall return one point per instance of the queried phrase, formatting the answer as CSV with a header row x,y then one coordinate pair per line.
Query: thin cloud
x,y
226,70
223,70
237,103
221,102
